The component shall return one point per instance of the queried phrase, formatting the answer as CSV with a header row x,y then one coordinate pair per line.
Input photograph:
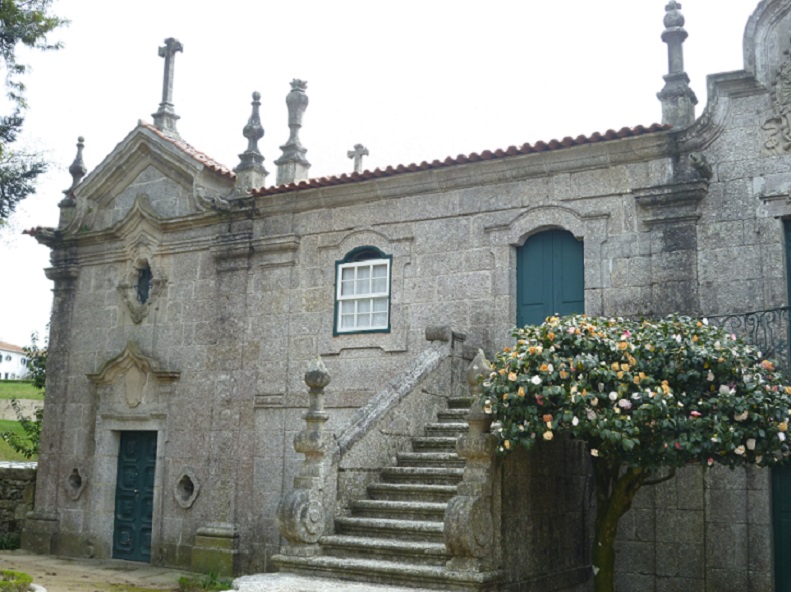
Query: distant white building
x,y
13,362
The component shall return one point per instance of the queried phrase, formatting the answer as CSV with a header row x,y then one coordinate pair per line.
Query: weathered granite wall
x,y
17,491
546,514
702,531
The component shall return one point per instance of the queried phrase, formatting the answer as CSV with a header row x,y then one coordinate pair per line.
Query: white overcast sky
x,y
411,80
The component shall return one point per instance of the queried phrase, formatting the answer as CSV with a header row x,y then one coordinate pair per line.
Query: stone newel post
x,y
305,513
470,522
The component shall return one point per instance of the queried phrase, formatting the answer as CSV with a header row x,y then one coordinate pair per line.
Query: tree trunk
x,y
615,491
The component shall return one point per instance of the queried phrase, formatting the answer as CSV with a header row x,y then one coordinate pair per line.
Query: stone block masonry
x,y
17,490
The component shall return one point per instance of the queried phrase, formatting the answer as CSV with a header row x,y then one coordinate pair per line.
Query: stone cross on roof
x,y
165,118
357,154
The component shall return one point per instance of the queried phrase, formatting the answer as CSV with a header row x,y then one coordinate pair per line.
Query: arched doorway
x,y
550,277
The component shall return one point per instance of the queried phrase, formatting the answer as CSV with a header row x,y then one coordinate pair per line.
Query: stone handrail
x,y
442,340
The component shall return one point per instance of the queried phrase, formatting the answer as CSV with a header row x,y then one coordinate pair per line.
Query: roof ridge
x,y
527,148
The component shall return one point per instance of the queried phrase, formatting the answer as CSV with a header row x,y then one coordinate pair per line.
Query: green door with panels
x,y
134,496
549,277
781,508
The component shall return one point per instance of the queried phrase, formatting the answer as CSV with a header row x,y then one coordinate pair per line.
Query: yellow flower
x,y
783,426
563,375
551,336
501,371
625,367
544,368
507,444
615,366
619,375
521,391
512,376
622,345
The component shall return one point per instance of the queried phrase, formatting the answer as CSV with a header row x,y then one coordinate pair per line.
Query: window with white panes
x,y
363,292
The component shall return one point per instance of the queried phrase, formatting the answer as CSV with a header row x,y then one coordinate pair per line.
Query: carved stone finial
x,y
251,173
673,16
165,118
677,98
357,154
317,376
292,166
77,171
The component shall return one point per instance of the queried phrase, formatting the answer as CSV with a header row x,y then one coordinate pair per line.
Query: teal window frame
x,y
360,257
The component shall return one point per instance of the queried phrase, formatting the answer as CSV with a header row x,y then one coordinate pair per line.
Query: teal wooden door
x,y
781,509
550,277
134,496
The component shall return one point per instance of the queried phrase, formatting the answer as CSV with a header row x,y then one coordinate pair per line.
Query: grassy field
x,y
5,451
19,389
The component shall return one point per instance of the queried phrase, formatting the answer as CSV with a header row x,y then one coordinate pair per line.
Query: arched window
x,y
362,291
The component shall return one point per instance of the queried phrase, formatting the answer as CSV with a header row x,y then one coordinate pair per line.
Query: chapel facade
x,y
244,377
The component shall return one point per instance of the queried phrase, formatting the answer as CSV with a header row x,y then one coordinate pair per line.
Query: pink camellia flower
x,y
710,461
626,334
694,413
678,446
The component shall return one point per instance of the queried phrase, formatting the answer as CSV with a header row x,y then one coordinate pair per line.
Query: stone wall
x,y
546,520
702,531
17,491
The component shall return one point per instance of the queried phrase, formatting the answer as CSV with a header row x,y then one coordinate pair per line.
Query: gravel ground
x,y
66,574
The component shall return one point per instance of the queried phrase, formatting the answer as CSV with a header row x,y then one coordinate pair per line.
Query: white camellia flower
x,y
536,380
742,416
739,450
751,444
625,404
575,422
710,376
613,396
590,414
594,452
781,436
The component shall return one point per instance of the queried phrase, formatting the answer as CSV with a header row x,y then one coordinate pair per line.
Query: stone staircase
x,y
396,535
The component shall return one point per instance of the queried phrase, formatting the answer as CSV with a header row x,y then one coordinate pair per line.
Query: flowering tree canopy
x,y
647,396
648,393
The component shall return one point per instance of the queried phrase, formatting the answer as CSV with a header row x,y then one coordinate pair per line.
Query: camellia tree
x,y
647,397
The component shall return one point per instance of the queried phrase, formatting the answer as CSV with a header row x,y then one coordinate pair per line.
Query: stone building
x,y
190,300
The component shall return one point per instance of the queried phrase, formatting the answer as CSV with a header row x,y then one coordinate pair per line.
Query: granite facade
x,y
243,298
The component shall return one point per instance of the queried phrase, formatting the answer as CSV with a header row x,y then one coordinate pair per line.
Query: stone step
x,y
399,510
459,402
411,492
405,530
425,475
389,572
453,416
446,429
434,444
430,459
421,553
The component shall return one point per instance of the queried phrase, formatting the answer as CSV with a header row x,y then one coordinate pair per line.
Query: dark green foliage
x,y
210,582
26,443
27,23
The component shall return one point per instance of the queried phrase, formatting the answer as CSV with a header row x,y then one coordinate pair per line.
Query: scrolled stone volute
x,y
317,377
469,530
301,517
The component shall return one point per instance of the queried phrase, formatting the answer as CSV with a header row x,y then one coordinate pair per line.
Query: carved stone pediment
x,y
778,127
141,232
132,379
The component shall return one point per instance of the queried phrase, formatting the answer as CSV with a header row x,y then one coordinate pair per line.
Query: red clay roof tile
x,y
201,157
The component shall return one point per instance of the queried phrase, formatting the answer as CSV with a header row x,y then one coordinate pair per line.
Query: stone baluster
x,y
677,98
471,527
305,513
